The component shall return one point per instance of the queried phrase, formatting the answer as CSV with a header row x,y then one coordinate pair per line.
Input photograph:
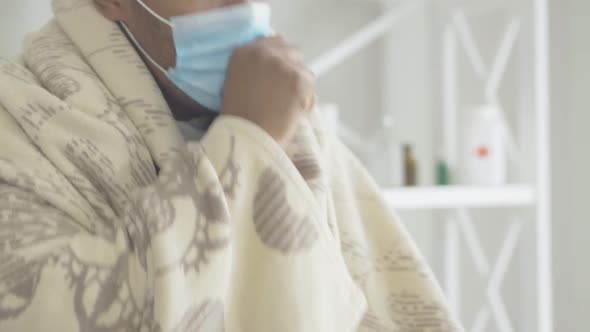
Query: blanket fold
x,y
234,233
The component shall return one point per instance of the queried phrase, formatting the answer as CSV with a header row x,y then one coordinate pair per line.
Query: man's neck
x,y
183,108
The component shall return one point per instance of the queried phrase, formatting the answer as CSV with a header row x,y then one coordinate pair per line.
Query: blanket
x,y
109,221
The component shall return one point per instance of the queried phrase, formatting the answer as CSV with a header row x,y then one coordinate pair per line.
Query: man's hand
x,y
268,84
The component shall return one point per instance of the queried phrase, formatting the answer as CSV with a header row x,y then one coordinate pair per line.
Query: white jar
x,y
386,155
483,153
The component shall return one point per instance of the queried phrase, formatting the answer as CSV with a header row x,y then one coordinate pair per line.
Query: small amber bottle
x,y
410,166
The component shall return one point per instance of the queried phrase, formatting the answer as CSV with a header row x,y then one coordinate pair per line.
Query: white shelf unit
x,y
451,197
528,25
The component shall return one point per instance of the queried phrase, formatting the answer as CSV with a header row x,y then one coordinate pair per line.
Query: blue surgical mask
x,y
205,43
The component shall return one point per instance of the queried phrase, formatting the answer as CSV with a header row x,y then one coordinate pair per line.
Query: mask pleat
x,y
199,44
204,44
208,62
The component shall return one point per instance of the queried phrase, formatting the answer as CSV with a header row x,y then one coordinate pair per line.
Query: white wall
x,y
580,69
17,17
316,26
571,159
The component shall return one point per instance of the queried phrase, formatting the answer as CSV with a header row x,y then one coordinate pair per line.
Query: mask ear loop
x,y
134,40
156,15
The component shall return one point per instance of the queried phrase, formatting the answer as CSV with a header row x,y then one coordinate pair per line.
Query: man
x,y
110,221
267,81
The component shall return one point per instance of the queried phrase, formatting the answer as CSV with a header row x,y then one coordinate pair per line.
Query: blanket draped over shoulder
x,y
234,233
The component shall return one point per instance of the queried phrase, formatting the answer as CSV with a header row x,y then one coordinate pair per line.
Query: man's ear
x,y
114,10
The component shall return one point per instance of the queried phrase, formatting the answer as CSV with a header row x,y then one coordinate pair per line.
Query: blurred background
x,y
473,116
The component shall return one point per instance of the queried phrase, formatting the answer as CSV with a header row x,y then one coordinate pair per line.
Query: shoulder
x,y
14,72
16,148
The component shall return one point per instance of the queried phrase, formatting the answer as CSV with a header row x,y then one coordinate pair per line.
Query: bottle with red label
x,y
483,153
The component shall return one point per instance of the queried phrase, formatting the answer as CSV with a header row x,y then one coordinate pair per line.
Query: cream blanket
x,y
233,234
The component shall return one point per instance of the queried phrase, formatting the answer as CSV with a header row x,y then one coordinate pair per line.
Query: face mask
x,y
205,43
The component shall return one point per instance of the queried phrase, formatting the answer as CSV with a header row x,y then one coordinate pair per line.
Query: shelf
x,y
447,197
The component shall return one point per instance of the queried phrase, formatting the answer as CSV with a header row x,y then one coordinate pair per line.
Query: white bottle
x,y
483,155
386,155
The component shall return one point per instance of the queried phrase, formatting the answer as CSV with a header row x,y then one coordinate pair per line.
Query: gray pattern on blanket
x,y
276,223
102,294
208,316
153,213
20,279
17,72
103,299
23,226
